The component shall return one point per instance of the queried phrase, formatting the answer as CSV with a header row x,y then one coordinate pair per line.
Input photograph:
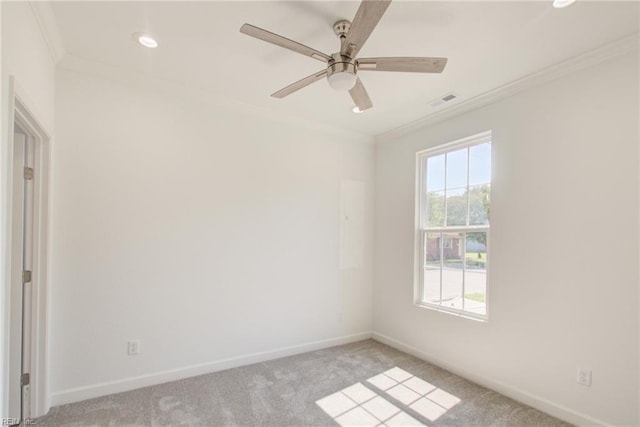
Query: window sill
x,y
483,318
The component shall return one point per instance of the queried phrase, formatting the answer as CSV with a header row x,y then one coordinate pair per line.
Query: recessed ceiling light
x,y
357,110
559,4
145,40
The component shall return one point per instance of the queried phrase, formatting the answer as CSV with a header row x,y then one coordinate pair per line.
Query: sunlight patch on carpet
x,y
358,405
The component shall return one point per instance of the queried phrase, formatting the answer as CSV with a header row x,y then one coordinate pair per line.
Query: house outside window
x,y
452,226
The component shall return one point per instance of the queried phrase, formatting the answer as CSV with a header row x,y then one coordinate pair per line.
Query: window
x,y
452,235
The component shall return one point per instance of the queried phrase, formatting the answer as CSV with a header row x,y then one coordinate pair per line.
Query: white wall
x,y
564,248
210,233
204,231
25,56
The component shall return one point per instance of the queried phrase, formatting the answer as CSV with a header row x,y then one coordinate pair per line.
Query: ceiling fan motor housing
x,y
341,64
341,72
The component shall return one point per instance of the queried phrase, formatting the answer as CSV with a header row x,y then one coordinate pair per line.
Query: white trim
x,y
39,323
589,59
468,141
421,229
515,393
48,29
126,384
7,174
21,111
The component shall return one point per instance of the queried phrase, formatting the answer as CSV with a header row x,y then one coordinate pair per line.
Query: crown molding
x,y
49,29
589,59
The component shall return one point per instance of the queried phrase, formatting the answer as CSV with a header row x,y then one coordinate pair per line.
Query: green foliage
x,y
476,259
479,202
479,205
477,256
478,237
435,209
476,297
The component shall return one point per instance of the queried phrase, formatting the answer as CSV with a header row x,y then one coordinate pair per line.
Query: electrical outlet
x,y
133,347
584,377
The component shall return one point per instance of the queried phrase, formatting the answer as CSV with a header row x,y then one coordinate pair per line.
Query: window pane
x,y
457,169
435,173
457,207
479,205
454,197
435,209
480,164
432,253
475,291
452,270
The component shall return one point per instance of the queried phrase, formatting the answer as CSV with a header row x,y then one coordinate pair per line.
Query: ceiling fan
x,y
342,67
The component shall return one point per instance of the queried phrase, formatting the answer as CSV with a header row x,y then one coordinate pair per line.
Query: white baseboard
x,y
103,389
544,405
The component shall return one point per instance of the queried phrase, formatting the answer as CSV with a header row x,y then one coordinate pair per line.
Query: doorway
x,y
27,262
22,274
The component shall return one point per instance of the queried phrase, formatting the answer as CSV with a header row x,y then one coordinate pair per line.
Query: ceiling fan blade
x,y
366,19
293,87
284,42
406,64
360,96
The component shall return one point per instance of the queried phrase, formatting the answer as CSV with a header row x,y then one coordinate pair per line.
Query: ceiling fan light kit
x,y
341,72
342,67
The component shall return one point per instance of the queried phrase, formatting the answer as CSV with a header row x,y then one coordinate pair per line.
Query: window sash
x,y
421,300
422,227
423,202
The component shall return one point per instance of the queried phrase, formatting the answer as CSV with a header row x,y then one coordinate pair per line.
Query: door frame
x,y
22,114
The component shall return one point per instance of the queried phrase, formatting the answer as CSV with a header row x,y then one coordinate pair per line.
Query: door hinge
x,y
28,173
25,379
26,276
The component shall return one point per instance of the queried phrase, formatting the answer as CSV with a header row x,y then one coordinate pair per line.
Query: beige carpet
x,y
364,383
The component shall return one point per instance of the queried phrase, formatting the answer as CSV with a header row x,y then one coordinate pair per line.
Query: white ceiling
x,y
488,44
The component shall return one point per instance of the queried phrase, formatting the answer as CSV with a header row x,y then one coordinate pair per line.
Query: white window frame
x,y
420,192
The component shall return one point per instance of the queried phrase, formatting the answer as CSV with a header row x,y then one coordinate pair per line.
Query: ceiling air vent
x,y
443,99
